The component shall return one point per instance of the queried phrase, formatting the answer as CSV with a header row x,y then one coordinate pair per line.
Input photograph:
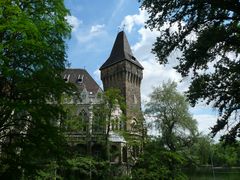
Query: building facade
x,y
121,71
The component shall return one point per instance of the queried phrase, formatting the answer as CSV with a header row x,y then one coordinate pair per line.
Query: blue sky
x,y
95,26
98,24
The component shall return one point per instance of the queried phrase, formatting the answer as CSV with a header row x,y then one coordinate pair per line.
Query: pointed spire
x,y
121,51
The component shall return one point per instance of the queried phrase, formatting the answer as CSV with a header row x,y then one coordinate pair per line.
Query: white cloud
x,y
116,10
74,22
155,74
97,77
205,122
137,19
97,28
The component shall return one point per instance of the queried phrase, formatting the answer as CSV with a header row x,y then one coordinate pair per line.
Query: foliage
x,y
32,57
105,114
73,121
225,155
48,172
202,150
169,111
165,156
158,163
86,168
208,34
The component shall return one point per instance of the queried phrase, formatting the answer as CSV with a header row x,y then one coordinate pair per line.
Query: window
x,y
134,99
124,154
80,79
133,58
66,77
133,125
98,123
84,121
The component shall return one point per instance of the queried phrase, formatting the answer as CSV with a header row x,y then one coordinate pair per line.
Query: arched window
x,y
98,122
84,120
124,154
114,152
114,124
133,125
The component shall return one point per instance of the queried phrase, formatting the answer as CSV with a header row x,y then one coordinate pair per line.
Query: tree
x,y
225,155
169,111
106,117
208,34
158,163
32,57
202,150
163,157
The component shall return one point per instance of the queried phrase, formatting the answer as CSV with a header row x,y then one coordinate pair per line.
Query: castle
x,y
121,71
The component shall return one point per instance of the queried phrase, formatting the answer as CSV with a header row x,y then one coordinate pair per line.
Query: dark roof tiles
x,y
121,51
82,79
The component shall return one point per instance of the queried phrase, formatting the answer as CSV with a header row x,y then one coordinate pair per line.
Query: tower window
x,y
133,58
66,77
135,99
80,78
84,120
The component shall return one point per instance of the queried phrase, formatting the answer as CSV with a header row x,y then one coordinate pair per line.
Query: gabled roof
x,y
75,75
121,51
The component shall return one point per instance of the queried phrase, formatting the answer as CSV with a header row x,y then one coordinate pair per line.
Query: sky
x,y
95,25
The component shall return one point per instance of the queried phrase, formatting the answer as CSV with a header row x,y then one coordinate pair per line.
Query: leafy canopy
x,y
32,57
169,110
158,163
208,34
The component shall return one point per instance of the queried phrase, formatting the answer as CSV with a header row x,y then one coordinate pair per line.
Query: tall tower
x,y
123,71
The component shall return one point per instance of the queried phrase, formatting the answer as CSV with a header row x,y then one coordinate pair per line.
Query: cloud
x,y
97,77
93,32
97,28
74,22
84,35
205,122
155,74
131,20
116,10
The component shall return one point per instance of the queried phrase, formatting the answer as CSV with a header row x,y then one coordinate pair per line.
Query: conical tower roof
x,y
121,51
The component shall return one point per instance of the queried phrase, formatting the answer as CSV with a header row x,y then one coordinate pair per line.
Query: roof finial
x,y
121,27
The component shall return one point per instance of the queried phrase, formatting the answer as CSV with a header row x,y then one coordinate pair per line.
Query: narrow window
x,y
80,79
66,77
84,120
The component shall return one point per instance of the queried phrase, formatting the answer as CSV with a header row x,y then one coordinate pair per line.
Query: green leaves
x,y
32,57
209,57
158,163
169,110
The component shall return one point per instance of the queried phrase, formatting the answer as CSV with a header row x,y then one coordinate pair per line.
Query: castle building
x,y
121,71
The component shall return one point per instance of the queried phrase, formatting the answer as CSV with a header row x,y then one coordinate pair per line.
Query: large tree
x,y
108,116
169,111
208,34
32,57
165,155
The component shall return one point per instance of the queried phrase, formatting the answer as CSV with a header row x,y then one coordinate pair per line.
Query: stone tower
x,y
123,71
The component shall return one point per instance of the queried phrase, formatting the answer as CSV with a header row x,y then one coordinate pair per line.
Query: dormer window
x,y
80,79
133,58
66,77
